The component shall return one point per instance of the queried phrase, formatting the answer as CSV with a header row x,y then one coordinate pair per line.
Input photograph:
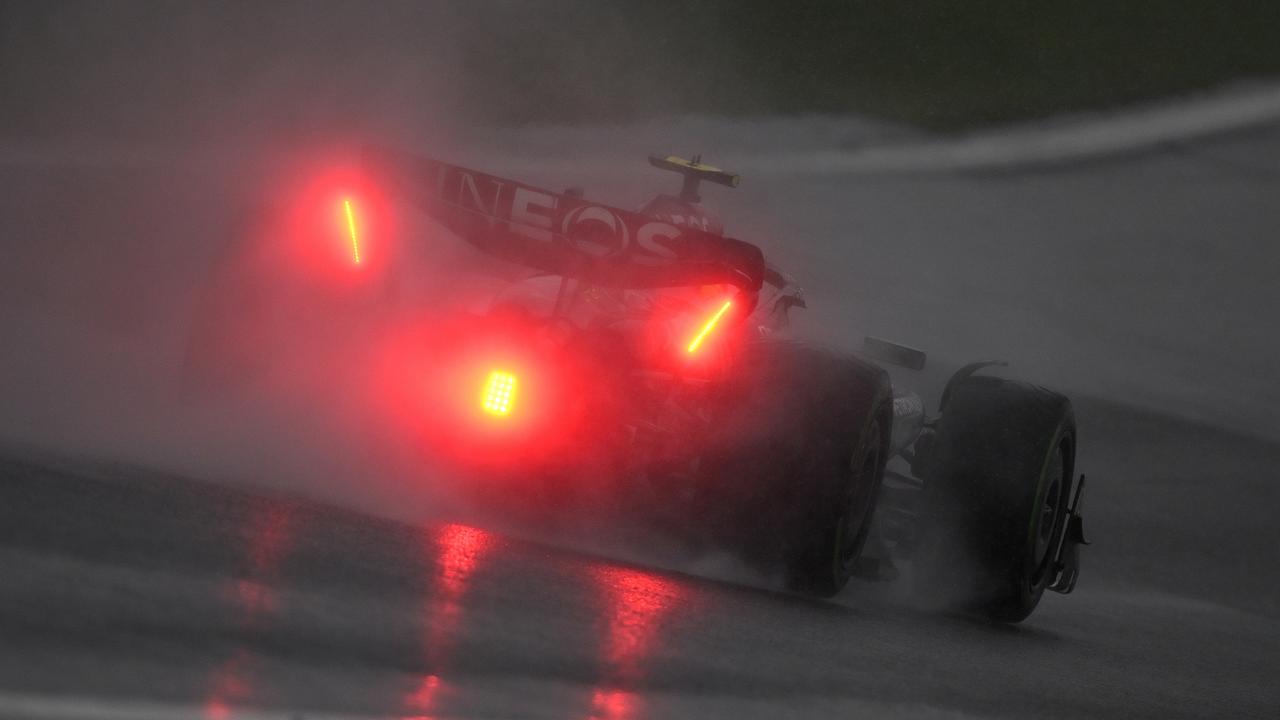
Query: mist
x,y
1087,192
138,136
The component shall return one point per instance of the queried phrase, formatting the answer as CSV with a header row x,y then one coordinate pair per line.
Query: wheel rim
x,y
862,474
1048,511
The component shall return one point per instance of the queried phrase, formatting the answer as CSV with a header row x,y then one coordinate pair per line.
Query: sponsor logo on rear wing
x,y
566,235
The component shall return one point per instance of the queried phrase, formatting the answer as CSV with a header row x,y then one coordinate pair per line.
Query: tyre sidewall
x,y
802,418
997,444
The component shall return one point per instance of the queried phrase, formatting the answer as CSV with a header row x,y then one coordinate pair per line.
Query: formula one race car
x,y
649,348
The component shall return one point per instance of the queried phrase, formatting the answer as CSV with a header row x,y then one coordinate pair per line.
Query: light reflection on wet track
x,y
255,600
456,551
636,603
136,586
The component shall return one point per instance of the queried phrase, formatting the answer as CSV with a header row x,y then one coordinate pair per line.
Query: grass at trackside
x,y
948,64
957,63
942,64
150,69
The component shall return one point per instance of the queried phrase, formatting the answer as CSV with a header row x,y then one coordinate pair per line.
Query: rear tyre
x,y
800,458
824,554
997,489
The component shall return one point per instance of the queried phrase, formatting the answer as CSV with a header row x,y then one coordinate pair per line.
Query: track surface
x,y
132,585
1140,280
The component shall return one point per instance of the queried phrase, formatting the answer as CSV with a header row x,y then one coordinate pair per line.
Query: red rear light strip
x,y
709,326
351,229
499,392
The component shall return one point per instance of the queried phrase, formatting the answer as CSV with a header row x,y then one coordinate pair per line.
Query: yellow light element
x,y
709,326
499,393
351,229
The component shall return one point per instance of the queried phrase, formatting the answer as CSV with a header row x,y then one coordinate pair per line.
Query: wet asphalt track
x,y
120,585
128,585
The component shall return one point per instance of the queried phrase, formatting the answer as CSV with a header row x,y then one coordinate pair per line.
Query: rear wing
x,y
694,171
563,234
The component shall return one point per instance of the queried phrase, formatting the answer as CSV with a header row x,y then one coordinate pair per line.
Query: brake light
x,y
708,326
351,230
499,393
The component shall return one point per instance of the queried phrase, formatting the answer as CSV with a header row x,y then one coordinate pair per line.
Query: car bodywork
x,y
617,341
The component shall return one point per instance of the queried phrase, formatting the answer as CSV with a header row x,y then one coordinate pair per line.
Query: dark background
x,y
145,68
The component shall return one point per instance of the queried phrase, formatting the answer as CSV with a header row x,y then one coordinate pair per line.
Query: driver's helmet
x,y
683,214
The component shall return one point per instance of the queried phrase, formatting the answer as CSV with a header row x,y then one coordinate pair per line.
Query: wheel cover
x,y
862,471
1047,521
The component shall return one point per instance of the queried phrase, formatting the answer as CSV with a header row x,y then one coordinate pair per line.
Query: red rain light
x,y
499,393
708,326
351,230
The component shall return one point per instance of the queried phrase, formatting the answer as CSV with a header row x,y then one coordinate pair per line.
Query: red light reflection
x,y
613,705
638,602
456,551
423,699
269,533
